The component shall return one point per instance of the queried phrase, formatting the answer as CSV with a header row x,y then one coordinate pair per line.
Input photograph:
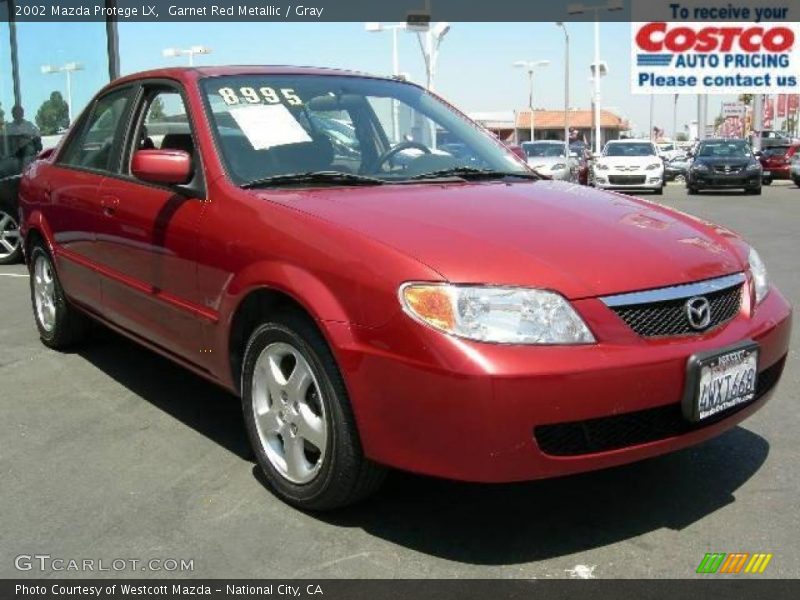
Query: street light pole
x,y
566,89
190,52
575,9
378,27
529,66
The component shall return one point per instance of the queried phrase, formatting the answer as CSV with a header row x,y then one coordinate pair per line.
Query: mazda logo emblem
x,y
698,311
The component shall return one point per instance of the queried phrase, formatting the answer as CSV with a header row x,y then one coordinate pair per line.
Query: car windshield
x,y
536,150
274,126
724,149
775,151
629,149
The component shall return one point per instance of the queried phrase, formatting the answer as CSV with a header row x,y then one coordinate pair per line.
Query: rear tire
x,y
304,436
766,182
60,324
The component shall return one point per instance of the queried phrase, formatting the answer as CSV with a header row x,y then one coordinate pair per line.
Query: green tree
x,y
156,111
53,114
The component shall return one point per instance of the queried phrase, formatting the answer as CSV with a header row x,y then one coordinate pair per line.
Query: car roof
x,y
194,73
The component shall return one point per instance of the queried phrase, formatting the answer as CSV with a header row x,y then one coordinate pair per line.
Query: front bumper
x,y
709,180
438,405
606,180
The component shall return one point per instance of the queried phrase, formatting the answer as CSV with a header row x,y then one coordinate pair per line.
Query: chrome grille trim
x,y
675,292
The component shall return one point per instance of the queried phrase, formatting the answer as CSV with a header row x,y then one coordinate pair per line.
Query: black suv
x,y
723,164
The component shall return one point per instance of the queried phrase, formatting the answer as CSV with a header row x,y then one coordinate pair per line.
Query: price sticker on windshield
x,y
251,95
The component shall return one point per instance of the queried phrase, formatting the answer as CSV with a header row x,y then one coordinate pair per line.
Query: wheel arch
x,y
263,297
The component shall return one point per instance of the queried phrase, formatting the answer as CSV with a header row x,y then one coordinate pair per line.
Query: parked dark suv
x,y
723,164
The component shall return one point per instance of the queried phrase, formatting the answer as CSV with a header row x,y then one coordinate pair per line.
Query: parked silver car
x,y
547,158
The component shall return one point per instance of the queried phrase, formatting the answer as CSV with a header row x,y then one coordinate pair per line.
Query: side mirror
x,y
45,154
518,151
167,167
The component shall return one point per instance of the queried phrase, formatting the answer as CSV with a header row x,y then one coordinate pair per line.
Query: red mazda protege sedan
x,y
299,237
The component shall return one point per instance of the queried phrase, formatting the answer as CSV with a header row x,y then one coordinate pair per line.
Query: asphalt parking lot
x,y
112,452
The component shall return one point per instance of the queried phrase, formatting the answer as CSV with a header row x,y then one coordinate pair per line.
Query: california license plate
x,y
719,380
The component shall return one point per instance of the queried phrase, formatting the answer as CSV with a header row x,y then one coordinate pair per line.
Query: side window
x,y
165,124
100,138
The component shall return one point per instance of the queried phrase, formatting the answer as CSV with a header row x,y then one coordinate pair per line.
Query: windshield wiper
x,y
333,177
471,173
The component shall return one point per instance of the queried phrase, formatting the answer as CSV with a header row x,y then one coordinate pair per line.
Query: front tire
x,y
754,191
60,325
10,239
299,420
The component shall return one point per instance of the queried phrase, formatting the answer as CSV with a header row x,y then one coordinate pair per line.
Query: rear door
x,y
147,240
71,191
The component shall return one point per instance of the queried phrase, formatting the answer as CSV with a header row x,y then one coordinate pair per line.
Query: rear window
x,y
776,151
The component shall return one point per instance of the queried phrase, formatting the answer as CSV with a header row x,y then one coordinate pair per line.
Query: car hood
x,y
639,162
577,240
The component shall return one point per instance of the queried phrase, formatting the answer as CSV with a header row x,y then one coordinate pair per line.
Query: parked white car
x,y
629,165
546,157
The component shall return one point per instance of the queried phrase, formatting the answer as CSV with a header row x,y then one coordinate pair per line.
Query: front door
x,y
147,237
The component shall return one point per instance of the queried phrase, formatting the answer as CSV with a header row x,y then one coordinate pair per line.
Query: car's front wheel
x,y
299,419
60,325
10,240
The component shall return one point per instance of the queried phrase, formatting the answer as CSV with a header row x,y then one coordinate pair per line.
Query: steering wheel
x,y
399,148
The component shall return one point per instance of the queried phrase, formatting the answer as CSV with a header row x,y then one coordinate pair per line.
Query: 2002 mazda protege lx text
x,y
302,238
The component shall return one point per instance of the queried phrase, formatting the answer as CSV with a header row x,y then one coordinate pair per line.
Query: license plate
x,y
767,173
719,380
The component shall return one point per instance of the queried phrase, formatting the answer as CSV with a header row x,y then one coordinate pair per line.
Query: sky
x,y
475,68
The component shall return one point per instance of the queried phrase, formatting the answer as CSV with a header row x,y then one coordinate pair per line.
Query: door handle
x,y
109,205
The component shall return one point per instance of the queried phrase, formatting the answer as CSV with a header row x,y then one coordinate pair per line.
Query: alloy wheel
x,y
289,411
44,293
9,235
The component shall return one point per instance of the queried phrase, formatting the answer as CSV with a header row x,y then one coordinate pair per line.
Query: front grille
x,y
659,313
635,428
728,169
626,179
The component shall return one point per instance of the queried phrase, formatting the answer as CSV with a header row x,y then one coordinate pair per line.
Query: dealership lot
x,y
111,452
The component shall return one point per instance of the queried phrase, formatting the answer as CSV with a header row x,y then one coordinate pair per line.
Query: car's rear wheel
x,y
299,419
60,325
10,240
766,182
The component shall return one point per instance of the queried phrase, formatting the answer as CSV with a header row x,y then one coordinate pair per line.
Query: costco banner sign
x,y
724,58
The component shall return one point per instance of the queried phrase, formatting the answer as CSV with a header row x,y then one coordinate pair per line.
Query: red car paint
x,y
171,272
778,163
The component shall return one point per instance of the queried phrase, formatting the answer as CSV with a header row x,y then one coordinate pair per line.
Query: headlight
x,y
652,166
759,272
601,167
505,315
559,166
700,167
754,167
